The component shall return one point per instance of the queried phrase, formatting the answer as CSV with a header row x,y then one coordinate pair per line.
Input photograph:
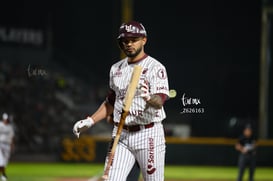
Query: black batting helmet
x,y
131,29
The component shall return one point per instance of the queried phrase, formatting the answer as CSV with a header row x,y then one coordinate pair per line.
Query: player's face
x,y
247,132
133,46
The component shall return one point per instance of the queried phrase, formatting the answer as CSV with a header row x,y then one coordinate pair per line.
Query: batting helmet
x,y
131,29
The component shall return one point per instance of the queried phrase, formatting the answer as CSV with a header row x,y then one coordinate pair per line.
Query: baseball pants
x,y
4,154
246,160
147,146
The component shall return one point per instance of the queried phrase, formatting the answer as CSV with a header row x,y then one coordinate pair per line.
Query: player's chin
x,y
130,53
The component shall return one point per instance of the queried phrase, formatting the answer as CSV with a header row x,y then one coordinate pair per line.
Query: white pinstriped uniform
x,y
147,146
6,136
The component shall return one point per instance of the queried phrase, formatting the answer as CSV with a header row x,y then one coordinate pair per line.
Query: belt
x,y
135,128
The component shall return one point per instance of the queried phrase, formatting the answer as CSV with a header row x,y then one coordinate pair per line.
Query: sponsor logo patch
x,y
150,168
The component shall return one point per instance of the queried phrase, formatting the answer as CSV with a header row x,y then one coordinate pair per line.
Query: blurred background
x,y
55,59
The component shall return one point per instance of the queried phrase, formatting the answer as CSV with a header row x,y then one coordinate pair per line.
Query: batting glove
x,y
144,88
82,125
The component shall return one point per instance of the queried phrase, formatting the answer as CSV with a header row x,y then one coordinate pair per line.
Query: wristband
x,y
90,122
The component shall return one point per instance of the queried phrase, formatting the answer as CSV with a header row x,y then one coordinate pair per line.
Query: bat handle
x,y
109,163
111,157
104,177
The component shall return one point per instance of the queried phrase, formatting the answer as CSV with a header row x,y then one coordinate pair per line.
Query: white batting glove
x,y
82,125
144,88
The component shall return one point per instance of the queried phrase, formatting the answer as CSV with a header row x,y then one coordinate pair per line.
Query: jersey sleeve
x,y
159,81
111,84
111,96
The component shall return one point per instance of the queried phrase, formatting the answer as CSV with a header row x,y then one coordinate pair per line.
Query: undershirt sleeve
x,y
111,97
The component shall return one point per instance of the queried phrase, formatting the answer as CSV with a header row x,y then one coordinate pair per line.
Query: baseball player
x,y
247,147
6,144
142,138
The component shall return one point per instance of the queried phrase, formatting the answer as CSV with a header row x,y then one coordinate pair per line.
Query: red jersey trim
x,y
145,56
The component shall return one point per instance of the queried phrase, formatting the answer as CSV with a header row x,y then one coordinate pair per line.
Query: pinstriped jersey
x,y
6,133
154,75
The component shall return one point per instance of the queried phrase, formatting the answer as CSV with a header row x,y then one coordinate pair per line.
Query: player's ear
x,y
144,40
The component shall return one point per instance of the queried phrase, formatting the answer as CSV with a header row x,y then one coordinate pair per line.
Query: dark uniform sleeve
x,y
111,97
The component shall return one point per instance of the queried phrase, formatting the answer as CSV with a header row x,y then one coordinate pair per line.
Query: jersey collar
x,y
142,58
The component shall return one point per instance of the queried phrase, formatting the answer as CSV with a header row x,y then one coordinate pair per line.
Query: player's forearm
x,y
155,101
103,111
239,147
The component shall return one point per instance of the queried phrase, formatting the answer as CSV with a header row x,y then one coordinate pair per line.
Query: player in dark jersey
x,y
246,145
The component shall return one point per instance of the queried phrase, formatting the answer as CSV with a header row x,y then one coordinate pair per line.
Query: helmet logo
x,y
132,29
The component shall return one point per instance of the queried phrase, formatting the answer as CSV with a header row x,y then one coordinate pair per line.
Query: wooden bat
x,y
125,111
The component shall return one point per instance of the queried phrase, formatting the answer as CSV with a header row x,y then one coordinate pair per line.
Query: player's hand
x,y
144,88
82,125
245,150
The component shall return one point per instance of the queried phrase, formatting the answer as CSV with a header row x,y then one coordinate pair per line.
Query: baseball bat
x,y
130,93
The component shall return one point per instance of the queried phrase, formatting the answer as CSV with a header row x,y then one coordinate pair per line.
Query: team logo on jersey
x,y
144,71
121,93
150,168
162,74
118,73
159,88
